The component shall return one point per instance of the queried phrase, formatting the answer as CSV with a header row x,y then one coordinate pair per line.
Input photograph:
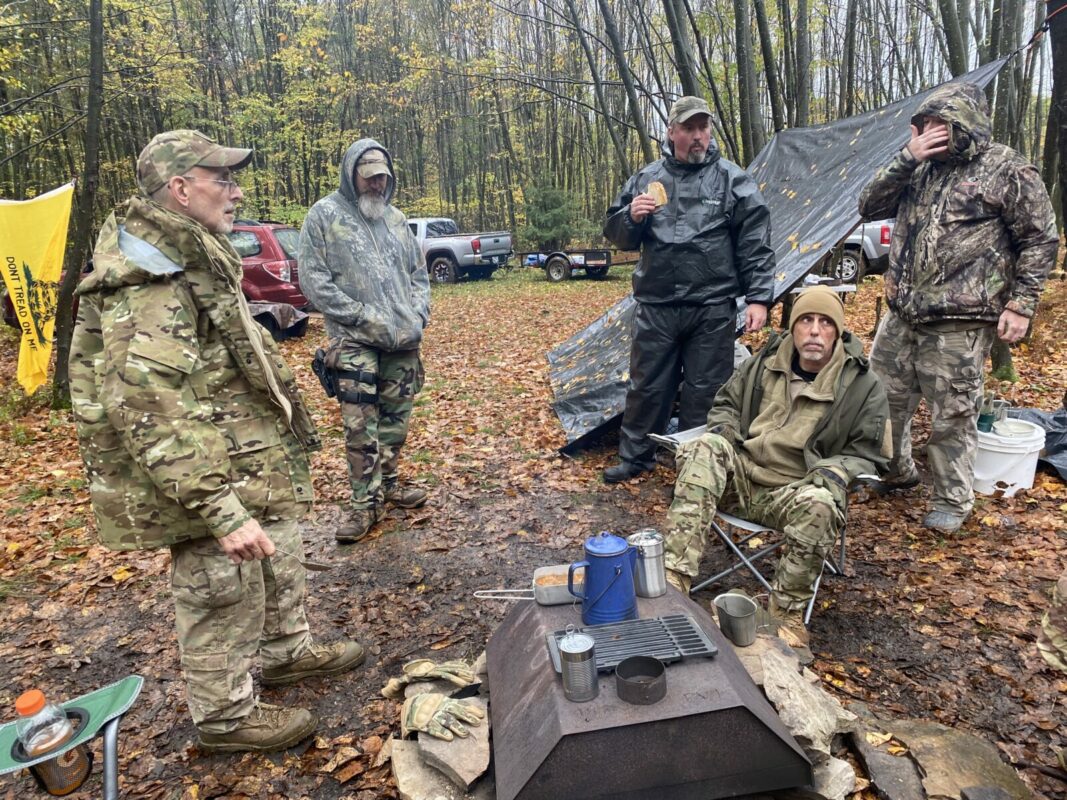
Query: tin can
x,y
650,577
577,657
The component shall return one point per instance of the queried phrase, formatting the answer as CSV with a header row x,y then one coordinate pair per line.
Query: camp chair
x,y
751,530
96,711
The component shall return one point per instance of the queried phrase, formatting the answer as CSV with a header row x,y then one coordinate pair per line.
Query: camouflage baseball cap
x,y
686,107
373,162
174,152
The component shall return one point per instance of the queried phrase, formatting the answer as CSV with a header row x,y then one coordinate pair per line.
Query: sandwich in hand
x,y
658,192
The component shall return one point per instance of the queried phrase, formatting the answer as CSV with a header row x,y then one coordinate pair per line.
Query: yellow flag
x,y
33,237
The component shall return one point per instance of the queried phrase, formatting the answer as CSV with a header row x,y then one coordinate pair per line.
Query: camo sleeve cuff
x,y
1023,306
224,513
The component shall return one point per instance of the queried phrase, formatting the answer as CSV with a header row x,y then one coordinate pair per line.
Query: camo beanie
x,y
819,300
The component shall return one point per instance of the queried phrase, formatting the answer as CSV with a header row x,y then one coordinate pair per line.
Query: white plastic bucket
x,y
1007,463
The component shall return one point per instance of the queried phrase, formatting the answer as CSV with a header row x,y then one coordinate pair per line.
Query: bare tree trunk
x,y
598,89
80,246
623,65
803,65
751,126
769,62
683,49
846,103
957,51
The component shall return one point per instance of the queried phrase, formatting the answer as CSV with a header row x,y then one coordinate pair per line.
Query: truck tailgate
x,y
497,243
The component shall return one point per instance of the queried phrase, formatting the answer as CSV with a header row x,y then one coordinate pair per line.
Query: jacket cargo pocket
x,y
257,468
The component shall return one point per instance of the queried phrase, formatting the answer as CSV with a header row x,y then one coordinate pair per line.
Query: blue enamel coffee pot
x,y
608,591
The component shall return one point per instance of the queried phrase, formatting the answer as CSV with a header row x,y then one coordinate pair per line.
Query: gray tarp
x,y
811,178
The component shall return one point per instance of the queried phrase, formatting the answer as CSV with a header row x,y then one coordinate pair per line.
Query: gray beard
x,y
695,157
372,206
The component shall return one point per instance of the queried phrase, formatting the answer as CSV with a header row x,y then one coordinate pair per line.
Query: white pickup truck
x,y
451,255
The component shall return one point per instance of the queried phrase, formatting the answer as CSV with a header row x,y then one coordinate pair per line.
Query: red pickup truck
x,y
268,255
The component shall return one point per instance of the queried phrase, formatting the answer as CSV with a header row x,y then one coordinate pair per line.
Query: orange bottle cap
x,y
29,703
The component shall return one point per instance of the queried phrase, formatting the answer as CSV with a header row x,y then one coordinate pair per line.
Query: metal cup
x,y
650,577
577,657
737,618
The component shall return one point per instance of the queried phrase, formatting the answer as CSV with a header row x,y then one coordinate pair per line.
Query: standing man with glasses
x,y
362,268
195,437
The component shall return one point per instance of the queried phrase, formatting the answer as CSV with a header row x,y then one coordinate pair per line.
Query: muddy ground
x,y
921,626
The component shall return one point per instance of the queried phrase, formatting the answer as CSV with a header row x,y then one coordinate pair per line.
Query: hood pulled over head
x,y
348,170
963,106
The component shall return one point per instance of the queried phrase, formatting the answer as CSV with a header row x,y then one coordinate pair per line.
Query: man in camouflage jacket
x,y
362,268
787,434
975,237
195,437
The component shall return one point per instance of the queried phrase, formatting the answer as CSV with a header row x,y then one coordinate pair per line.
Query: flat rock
x,y
810,714
462,761
984,793
892,777
416,780
750,656
833,779
952,761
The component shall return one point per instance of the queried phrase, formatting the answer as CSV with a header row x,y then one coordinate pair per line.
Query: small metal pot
x,y
641,680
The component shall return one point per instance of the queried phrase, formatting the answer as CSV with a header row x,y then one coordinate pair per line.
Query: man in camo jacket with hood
x,y
362,268
974,239
195,437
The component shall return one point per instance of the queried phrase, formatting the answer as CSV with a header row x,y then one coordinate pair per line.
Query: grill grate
x,y
669,638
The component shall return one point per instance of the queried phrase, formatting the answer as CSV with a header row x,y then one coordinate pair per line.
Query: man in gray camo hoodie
x,y
362,268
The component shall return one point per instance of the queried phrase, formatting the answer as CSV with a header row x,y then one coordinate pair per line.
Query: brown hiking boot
x,y
360,521
405,497
266,729
679,581
320,659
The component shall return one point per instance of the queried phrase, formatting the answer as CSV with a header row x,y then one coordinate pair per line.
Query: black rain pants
x,y
672,345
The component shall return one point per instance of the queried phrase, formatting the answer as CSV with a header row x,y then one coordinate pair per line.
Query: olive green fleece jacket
x,y
841,425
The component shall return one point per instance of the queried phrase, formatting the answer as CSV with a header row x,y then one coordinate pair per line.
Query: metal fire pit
x,y
713,735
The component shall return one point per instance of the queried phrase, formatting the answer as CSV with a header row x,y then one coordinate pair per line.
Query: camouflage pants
x,y
1052,642
944,367
226,613
375,431
709,474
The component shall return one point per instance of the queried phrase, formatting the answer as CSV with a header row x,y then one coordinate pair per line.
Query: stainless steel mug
x,y
577,660
650,577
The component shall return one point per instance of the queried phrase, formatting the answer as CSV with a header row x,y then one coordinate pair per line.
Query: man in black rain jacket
x,y
707,245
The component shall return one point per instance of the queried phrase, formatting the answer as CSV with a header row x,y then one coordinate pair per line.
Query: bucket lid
x,y
1013,428
605,544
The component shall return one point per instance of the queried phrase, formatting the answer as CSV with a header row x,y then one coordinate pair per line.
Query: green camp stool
x,y
102,709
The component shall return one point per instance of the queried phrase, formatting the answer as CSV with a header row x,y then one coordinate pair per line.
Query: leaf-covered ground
x,y
939,628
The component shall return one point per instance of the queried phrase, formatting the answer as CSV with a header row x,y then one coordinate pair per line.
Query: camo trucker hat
x,y
373,162
686,107
175,152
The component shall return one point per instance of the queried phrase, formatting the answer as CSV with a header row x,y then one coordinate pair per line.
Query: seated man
x,y
791,429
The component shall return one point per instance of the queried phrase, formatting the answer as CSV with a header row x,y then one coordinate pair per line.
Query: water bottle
x,y
43,727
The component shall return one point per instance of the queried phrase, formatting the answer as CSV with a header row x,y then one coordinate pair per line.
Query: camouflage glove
x,y
438,716
826,478
422,669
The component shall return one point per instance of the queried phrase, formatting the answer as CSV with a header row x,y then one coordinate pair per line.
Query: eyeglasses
x,y
230,184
